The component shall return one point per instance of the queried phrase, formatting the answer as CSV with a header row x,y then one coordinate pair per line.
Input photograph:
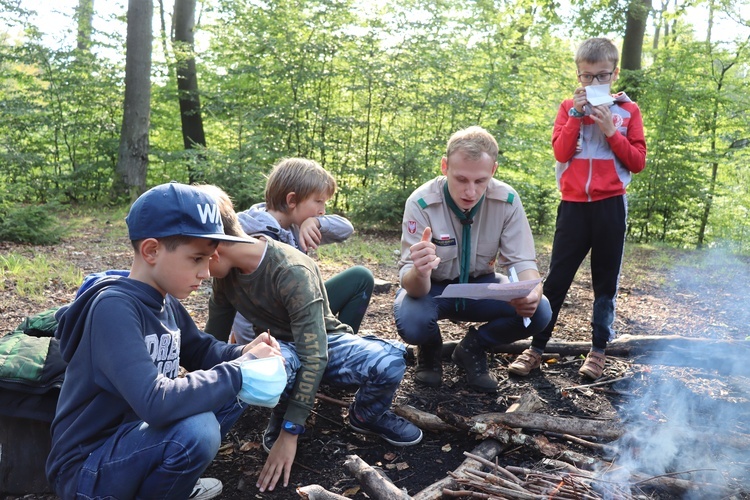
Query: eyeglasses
x,y
601,77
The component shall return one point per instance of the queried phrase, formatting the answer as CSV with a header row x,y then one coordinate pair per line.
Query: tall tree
x,y
132,161
187,77
85,19
632,44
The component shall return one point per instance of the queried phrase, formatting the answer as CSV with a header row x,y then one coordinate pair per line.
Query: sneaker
x,y
396,430
594,365
271,434
205,488
525,362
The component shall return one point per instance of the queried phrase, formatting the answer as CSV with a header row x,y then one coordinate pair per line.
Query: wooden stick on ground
x,y
488,449
317,492
422,419
564,425
373,483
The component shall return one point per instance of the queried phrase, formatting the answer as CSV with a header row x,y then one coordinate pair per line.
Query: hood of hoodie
x,y
257,220
72,317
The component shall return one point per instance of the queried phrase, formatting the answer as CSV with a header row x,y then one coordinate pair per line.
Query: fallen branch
x,y
333,401
423,420
317,492
583,442
375,484
564,425
726,356
594,384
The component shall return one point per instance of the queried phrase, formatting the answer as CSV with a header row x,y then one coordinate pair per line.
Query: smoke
x,y
694,421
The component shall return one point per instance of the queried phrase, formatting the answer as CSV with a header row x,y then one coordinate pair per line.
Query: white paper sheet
x,y
494,291
598,95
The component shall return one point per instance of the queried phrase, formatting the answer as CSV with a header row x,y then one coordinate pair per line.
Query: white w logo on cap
x,y
209,212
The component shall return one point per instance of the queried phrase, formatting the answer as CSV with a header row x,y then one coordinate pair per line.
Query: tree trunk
x,y
632,44
187,78
85,19
132,161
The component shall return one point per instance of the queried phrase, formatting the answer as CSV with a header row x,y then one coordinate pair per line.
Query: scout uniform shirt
x,y
499,225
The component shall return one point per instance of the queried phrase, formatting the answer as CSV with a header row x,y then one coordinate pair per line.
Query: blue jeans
x,y
375,366
417,319
140,461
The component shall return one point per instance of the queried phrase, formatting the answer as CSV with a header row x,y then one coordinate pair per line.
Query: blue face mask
x,y
263,381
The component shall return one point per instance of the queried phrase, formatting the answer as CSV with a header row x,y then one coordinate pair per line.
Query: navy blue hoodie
x,y
124,343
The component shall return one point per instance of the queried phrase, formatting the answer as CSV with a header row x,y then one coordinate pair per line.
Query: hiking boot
x,y
471,356
271,434
396,430
429,365
594,365
525,362
205,488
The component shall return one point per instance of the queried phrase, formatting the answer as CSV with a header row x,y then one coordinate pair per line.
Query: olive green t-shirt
x,y
286,296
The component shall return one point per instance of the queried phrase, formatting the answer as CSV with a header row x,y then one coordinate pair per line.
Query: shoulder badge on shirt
x,y
411,226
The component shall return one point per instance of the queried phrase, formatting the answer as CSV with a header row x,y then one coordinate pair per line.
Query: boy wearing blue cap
x,y
126,425
280,290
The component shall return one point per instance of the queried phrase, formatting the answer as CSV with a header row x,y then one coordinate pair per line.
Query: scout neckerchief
x,y
467,219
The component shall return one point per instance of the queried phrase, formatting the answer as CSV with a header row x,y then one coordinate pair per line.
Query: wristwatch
x,y
292,428
575,113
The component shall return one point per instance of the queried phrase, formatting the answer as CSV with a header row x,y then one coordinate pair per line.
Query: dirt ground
x,y
663,292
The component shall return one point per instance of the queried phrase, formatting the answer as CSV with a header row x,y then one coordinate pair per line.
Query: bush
x,y
30,224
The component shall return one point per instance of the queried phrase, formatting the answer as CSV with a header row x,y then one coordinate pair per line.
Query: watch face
x,y
293,428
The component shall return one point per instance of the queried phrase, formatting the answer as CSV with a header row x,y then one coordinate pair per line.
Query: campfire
x,y
680,434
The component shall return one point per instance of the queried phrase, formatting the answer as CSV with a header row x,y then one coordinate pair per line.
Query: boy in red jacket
x,y
598,143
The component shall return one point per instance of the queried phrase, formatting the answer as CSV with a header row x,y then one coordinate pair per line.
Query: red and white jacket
x,y
590,166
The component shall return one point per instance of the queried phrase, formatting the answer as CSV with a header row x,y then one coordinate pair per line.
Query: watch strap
x,y
292,428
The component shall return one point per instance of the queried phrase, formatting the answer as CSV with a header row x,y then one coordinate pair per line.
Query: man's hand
x,y
423,254
263,346
279,461
526,306
416,281
602,116
309,234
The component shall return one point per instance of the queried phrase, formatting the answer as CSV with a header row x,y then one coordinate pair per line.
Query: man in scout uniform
x,y
456,228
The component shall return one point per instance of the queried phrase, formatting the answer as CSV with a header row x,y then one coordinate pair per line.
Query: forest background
x,y
219,90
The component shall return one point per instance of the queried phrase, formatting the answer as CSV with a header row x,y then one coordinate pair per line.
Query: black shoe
x,y
429,365
471,356
396,430
271,434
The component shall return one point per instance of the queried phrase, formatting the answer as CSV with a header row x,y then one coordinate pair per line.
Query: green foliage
x,y
372,91
30,224
31,277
